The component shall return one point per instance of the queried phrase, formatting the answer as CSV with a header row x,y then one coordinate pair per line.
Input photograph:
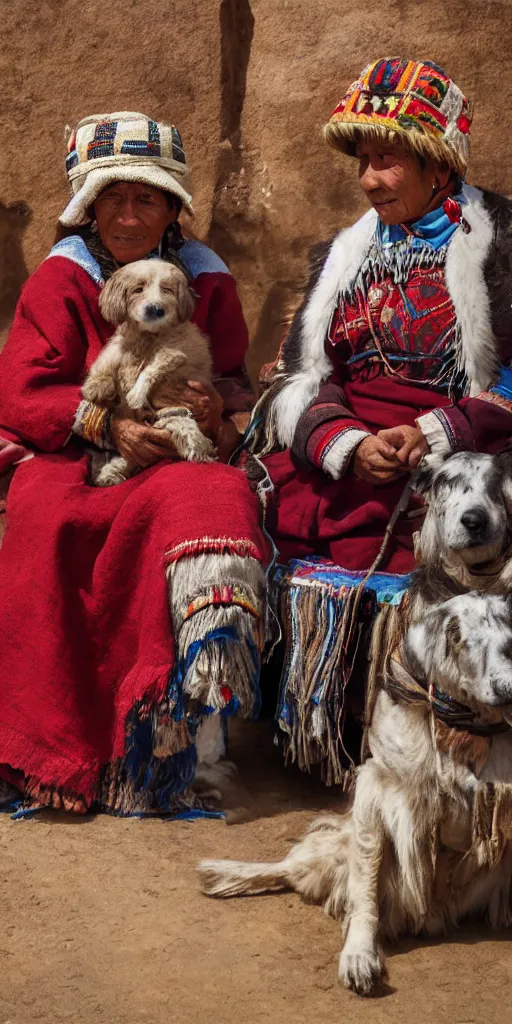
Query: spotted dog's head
x,y
464,647
469,512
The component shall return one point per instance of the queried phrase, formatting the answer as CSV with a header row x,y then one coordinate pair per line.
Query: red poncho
x,y
85,630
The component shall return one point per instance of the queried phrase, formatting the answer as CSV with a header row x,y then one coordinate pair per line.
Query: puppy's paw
x,y
362,972
109,475
137,397
195,447
99,389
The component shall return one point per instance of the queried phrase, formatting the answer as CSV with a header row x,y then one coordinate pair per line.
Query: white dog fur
x,y
405,858
143,369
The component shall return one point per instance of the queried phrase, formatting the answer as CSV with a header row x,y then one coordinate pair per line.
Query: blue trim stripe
x,y
504,385
74,248
196,257
199,259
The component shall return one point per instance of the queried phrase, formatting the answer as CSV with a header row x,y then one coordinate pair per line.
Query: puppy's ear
x,y
112,299
185,301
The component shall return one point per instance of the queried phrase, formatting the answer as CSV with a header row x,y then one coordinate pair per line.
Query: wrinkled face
x,y
464,647
132,218
151,293
397,185
469,506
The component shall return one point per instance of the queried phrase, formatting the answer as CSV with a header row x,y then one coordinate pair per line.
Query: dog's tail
x,y
239,878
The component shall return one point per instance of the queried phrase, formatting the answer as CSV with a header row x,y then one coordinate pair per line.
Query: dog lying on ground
x,y
145,366
428,840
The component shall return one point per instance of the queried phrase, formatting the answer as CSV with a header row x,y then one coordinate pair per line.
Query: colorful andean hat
x,y
124,146
411,100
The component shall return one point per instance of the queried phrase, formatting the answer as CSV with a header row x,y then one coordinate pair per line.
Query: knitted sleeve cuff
x,y
438,430
339,450
92,423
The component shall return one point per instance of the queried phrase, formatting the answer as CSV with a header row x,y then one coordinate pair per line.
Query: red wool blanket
x,y
85,629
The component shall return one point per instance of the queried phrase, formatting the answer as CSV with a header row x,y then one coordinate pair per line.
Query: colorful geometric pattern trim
x,y
413,97
501,393
222,596
323,622
102,137
406,330
92,423
212,546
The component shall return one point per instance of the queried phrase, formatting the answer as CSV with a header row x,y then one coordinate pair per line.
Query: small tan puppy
x,y
145,366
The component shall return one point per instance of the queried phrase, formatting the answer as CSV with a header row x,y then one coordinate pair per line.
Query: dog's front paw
x,y
362,972
137,397
195,448
101,390
109,475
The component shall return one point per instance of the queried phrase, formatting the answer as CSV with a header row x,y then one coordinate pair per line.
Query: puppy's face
x,y
464,647
151,293
469,506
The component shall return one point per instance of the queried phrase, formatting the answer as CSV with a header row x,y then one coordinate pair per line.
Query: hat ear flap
x,y
112,301
185,301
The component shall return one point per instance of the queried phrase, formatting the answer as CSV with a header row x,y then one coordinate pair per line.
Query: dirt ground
x,y
103,921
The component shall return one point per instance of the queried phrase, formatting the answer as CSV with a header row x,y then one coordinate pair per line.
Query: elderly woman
x,y
127,612
395,351
397,346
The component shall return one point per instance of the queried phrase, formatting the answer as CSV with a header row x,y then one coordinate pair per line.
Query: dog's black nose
x,y
154,311
475,520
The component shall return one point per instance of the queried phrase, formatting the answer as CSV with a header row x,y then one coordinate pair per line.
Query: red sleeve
x,y
482,423
219,314
324,423
43,363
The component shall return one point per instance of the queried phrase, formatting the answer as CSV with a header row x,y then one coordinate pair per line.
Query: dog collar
x,y
404,689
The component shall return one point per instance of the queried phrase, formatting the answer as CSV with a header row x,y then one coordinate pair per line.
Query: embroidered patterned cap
x,y
415,101
123,146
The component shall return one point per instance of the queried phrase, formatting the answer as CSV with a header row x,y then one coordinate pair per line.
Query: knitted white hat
x,y
123,146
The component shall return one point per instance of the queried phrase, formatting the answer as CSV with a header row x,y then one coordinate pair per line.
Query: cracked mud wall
x,y
250,83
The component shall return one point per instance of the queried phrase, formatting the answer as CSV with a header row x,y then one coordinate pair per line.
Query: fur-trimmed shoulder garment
x,y
309,386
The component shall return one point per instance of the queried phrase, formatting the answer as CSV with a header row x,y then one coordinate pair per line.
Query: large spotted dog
x,y
428,840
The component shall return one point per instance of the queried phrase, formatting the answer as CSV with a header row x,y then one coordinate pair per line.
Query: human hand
x,y
206,406
409,443
139,444
375,461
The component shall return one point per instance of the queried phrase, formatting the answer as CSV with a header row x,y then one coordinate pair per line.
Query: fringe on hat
x,y
343,132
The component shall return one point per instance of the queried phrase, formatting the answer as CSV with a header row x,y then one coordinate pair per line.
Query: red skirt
x,y
85,631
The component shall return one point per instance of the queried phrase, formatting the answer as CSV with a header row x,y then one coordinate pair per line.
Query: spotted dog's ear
x,y
423,477
504,461
452,636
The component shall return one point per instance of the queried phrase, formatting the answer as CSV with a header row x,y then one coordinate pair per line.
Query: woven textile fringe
x,y
386,634
219,630
398,260
221,660
325,625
